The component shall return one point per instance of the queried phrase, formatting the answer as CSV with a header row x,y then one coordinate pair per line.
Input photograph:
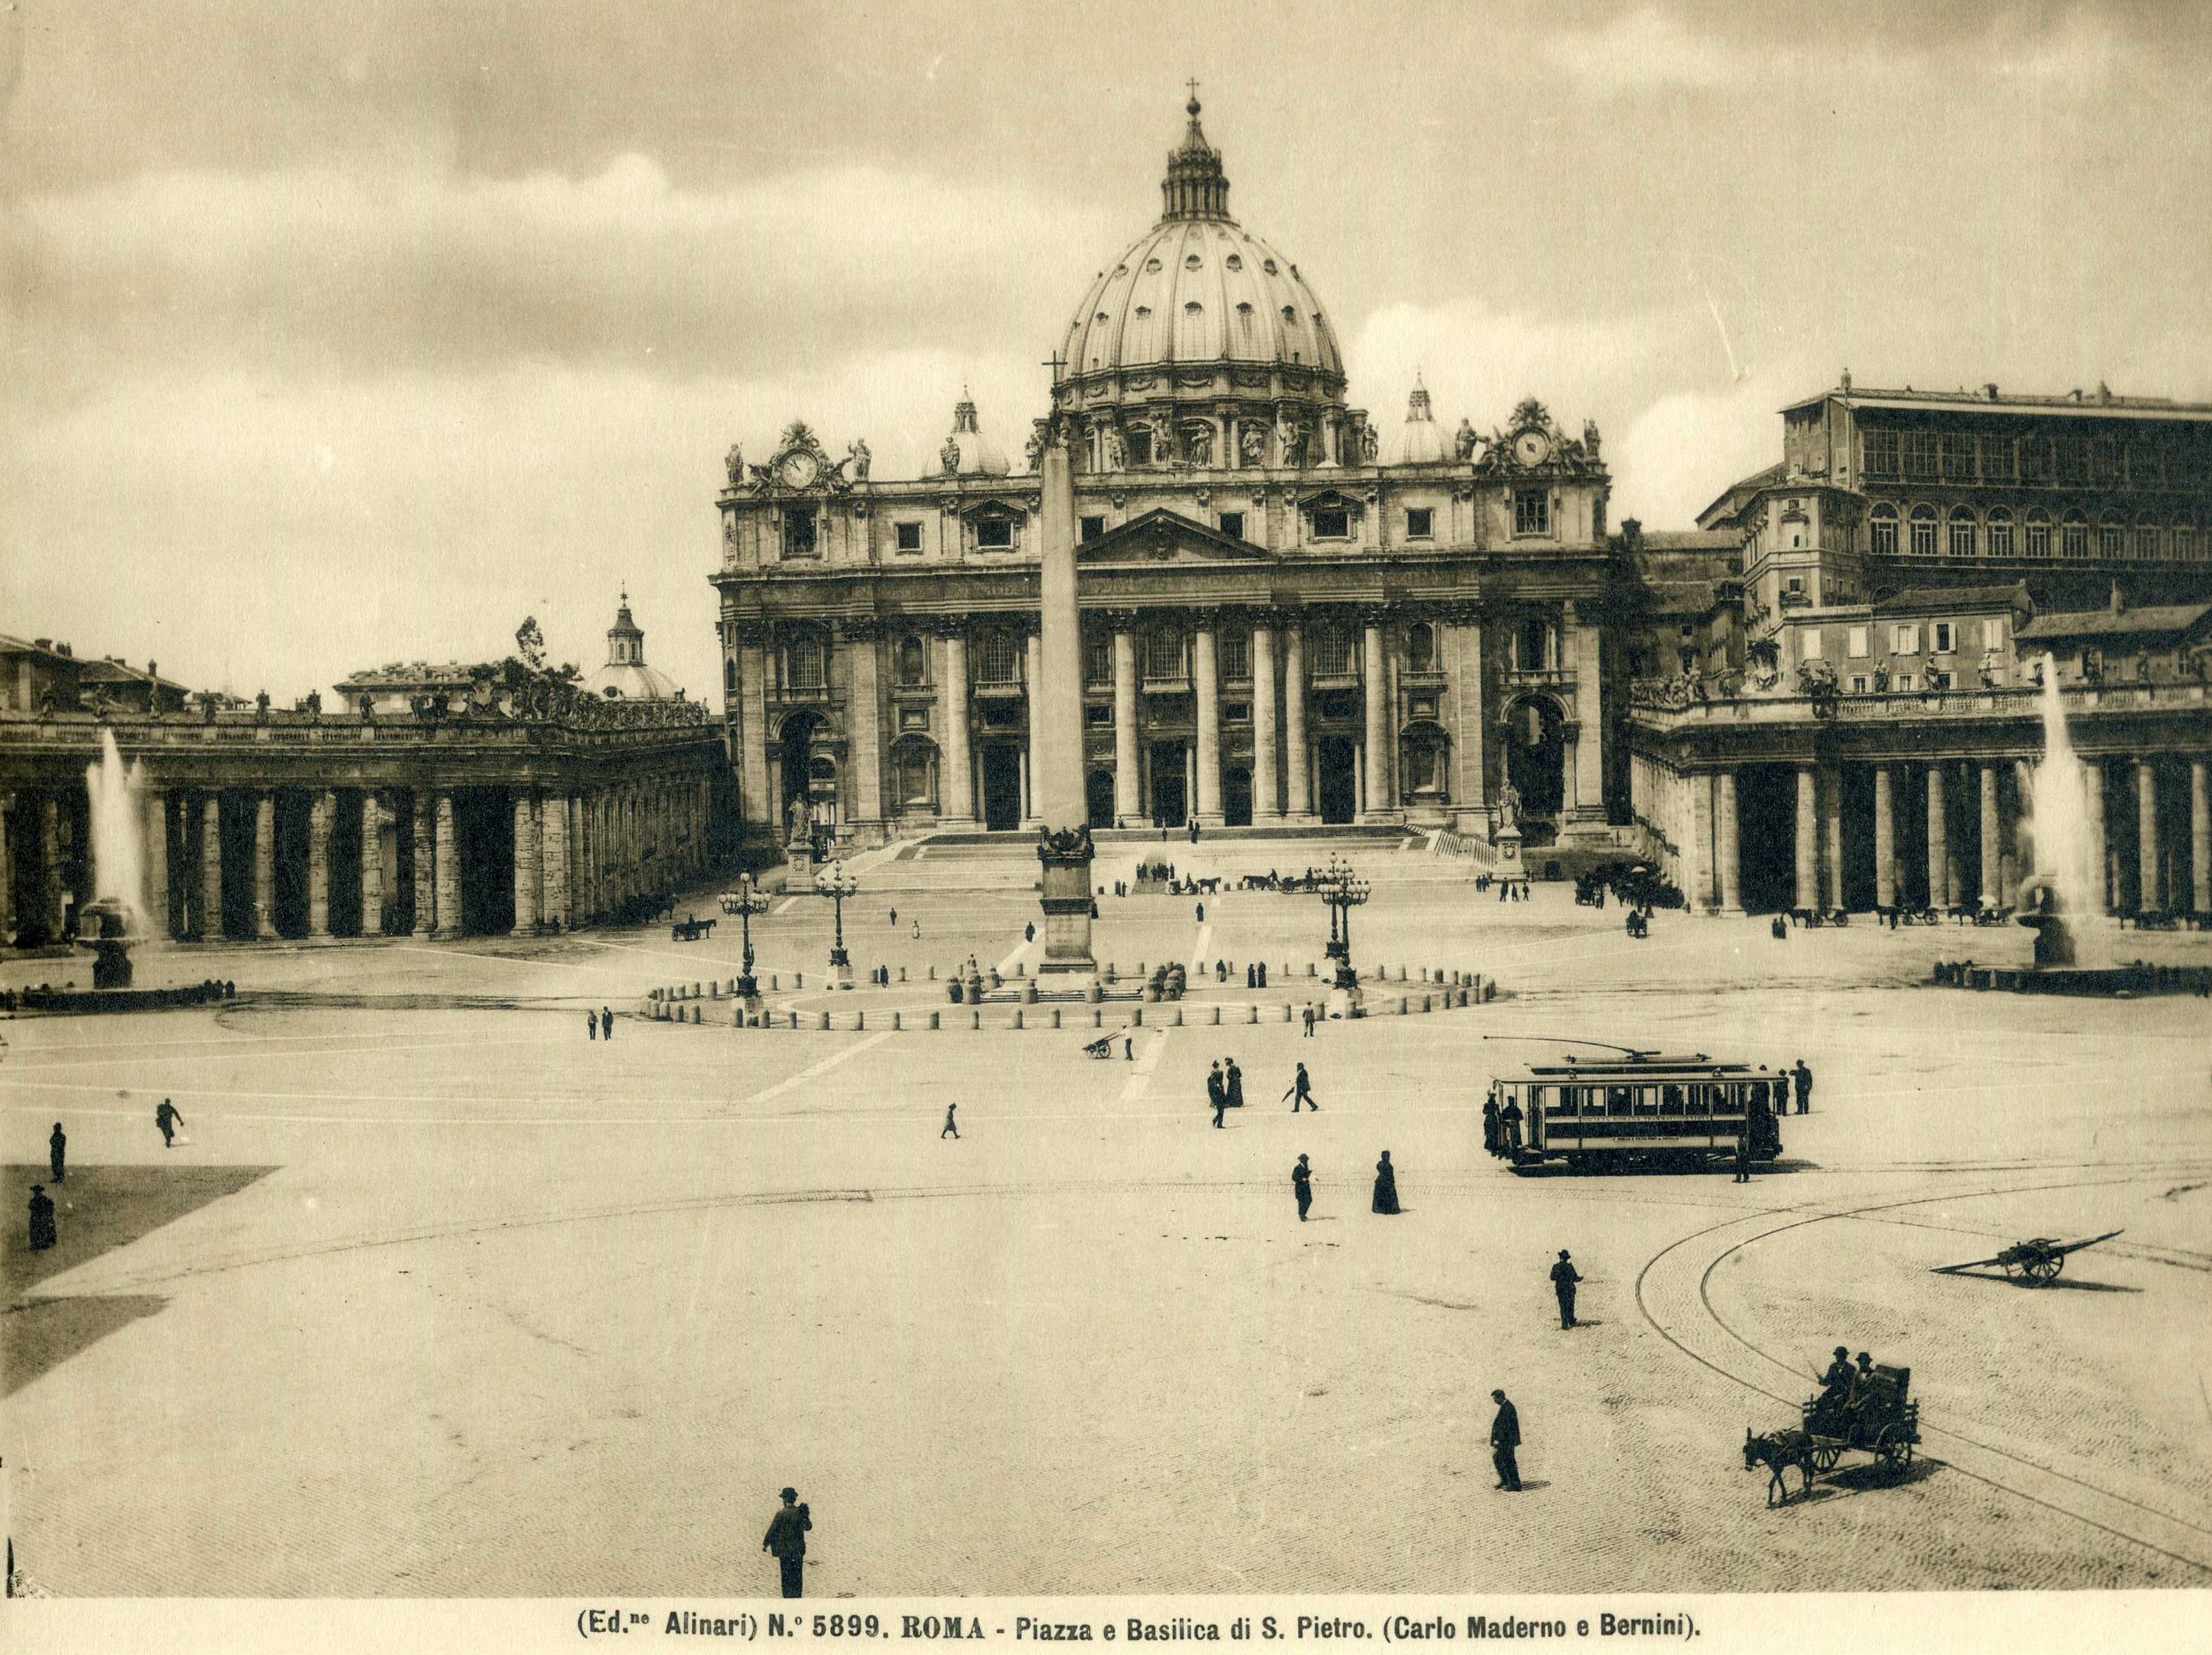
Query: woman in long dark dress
x,y
1386,1185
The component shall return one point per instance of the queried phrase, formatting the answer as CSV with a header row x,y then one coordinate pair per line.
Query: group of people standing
x,y
599,1024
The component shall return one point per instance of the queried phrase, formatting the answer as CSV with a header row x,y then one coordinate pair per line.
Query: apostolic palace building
x,y
1827,694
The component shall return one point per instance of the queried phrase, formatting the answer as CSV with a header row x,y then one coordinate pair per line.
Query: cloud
x,y
1649,48
1684,447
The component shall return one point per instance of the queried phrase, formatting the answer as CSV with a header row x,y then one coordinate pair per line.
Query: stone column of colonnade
x,y
211,926
1884,838
446,857
156,807
1379,796
1992,850
321,811
2199,840
425,862
956,804
557,900
1266,783
1128,795
7,867
371,864
50,848
1938,838
1206,680
1808,837
1727,843
529,878
1832,834
2147,834
1297,783
2092,798
265,865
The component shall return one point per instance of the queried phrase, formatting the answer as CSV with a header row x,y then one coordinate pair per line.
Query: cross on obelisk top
x,y
1058,364
1193,91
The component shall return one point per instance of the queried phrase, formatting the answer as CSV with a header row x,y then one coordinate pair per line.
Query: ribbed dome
x,y
1197,287
1421,440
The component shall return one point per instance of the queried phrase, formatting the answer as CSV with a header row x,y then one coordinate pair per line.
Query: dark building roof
x,y
1930,599
1736,496
1987,399
2163,620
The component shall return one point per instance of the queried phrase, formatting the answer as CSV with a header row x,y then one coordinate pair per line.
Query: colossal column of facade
x,y
2093,801
447,899
863,698
1727,840
1808,837
1469,786
1992,847
1375,680
755,804
2200,841
1832,834
210,867
1700,855
1938,838
1298,805
2149,898
371,864
1266,784
1884,839
1128,795
529,876
1033,707
157,830
1206,680
1588,757
321,810
424,852
956,808
264,864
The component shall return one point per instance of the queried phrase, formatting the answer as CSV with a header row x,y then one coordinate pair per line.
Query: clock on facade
x,y
1531,447
799,471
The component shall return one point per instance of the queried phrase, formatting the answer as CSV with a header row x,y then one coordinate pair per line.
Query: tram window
x,y
1735,1094
1617,1099
1670,1100
1646,1100
1588,1099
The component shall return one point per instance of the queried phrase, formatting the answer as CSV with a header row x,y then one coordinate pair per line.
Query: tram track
x,y
1673,1293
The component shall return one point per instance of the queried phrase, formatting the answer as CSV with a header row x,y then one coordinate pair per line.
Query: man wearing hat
x,y
43,1232
1563,1277
1505,1441
1302,1186
1836,1383
786,1538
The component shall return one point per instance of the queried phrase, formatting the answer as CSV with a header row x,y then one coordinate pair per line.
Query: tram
x,y
1626,1106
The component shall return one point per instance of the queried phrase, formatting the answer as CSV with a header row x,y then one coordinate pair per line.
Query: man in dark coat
x,y
1510,1125
591,1026
1302,1092
1492,1132
1302,1186
606,1024
786,1538
1835,1384
1563,1277
168,1118
1743,1156
58,1152
1216,1092
1505,1440
951,1127
43,1232
1803,1077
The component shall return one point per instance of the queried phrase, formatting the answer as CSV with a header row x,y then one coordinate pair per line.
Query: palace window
x,y
2104,456
1098,659
910,536
1421,648
2071,458
1957,449
1093,527
993,533
999,661
1163,654
2073,536
2000,533
1993,631
2036,534
1920,455
1943,637
798,531
1923,530
1997,462
2111,534
1531,512
1233,525
1904,638
1236,655
2146,539
1858,683
1809,643
1881,454
1902,683
1882,532
2187,544
1332,522
913,662
2035,459
1420,523
1962,532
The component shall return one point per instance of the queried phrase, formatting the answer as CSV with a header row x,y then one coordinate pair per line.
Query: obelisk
x,y
1056,768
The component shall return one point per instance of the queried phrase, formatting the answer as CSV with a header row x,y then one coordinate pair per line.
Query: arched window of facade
x,y
1923,530
1882,532
729,677
2111,533
2073,536
1962,535
2000,530
1421,646
1000,659
2036,533
2189,545
913,662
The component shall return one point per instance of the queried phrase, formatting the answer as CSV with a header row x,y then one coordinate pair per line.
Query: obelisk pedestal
x,y
1063,845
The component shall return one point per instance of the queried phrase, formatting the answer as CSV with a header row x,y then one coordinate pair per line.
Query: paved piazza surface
x,y
442,1298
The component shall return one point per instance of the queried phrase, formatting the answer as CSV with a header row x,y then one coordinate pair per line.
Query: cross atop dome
x,y
1194,187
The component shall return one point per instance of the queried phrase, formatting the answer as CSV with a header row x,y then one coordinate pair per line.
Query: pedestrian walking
x,y
1302,1186
894,918
43,1232
1563,1277
951,1127
787,1539
1217,1092
168,1118
1505,1443
1743,1157
1302,1092
591,1026
58,1152
1233,1078
606,1024
1803,1077
1308,1015
1386,1186
1029,931
917,930
1202,912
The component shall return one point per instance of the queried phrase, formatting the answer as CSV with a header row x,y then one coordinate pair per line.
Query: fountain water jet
x,y
2066,882
116,916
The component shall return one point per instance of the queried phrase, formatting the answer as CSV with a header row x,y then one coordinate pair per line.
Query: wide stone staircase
x,y
1008,862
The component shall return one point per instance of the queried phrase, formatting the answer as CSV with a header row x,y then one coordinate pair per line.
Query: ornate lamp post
x,y
747,901
835,883
1343,891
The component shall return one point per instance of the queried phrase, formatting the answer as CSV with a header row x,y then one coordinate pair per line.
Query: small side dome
x,y
1420,439
967,451
626,676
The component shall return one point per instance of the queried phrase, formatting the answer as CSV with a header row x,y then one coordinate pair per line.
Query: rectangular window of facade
x,y
1904,683
1943,637
2070,458
993,533
913,718
2035,459
1957,450
1920,455
908,536
1993,631
1858,641
1881,454
1331,655
1997,461
1531,512
1809,643
1939,680
1100,713
1093,527
1236,712
1233,525
1164,654
1331,525
1420,523
1098,661
798,531
2105,459
1904,638
1236,655
1858,683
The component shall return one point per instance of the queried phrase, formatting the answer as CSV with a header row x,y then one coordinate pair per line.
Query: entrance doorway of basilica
x,y
1536,758
1236,797
1001,786
1170,803
1338,779
1098,798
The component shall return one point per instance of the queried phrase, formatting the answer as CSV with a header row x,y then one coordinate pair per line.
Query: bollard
x,y
1401,1004
739,1020
860,1020
975,1020
902,974
798,979
1216,1016
795,1020
895,1023
1020,969
1252,1014
933,974
1424,1002
714,990
1308,967
1136,1016
1178,1017
1287,1016
825,1020
772,984
933,1020
1056,1016
1018,1017
695,991
1098,1019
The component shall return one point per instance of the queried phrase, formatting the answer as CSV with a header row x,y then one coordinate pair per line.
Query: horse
x,y
1778,1452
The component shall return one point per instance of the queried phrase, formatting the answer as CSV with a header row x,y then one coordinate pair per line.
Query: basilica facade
x,y
1291,613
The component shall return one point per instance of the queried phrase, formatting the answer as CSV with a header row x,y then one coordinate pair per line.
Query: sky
x,y
341,335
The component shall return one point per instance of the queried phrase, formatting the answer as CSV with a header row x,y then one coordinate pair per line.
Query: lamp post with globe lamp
x,y
747,901
1343,890
835,883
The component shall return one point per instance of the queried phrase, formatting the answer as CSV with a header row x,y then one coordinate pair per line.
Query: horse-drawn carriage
x,y
1877,1417
690,930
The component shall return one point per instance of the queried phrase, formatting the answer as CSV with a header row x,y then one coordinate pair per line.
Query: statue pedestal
x,y
1346,1001
1507,842
1064,860
800,855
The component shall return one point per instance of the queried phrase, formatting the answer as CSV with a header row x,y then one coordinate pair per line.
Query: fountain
x,y
116,916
